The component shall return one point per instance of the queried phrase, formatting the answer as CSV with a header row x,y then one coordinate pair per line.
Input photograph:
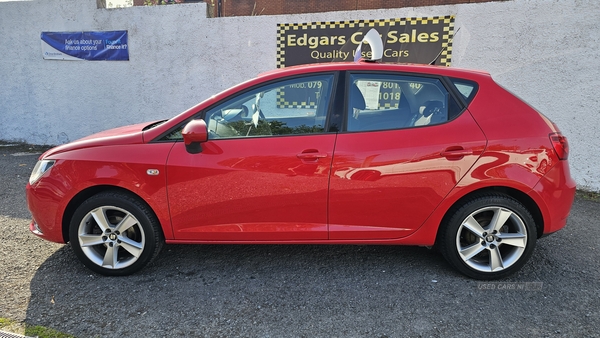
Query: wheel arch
x,y
83,195
518,195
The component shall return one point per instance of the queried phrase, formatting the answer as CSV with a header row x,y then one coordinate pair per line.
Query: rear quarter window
x,y
466,88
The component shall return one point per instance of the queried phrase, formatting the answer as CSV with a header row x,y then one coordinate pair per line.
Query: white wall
x,y
544,51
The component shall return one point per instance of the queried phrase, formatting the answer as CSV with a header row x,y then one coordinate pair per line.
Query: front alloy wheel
x,y
111,237
115,234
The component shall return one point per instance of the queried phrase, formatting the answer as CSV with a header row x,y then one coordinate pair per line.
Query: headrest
x,y
432,107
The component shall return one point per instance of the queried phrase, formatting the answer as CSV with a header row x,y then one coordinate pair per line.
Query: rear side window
x,y
466,88
383,101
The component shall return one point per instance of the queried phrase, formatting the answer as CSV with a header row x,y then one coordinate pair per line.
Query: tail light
x,y
560,144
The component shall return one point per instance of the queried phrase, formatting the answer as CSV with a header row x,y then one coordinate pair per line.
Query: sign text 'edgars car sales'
x,y
410,40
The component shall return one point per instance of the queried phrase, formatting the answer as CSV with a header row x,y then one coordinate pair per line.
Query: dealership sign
x,y
407,40
95,46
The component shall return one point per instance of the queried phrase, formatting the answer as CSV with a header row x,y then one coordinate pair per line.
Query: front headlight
x,y
40,168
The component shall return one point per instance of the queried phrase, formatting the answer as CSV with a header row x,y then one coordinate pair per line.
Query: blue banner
x,y
94,46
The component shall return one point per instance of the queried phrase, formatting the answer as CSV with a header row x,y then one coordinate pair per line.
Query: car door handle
x,y
311,154
456,153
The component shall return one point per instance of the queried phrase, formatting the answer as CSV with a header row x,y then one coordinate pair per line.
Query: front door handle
x,y
311,155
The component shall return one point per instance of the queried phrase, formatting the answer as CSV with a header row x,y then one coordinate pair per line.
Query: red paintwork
x,y
254,189
412,177
122,166
382,187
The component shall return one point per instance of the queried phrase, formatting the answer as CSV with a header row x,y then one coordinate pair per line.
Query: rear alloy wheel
x,y
488,237
115,234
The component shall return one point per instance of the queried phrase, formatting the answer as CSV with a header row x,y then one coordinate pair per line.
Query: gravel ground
x,y
294,291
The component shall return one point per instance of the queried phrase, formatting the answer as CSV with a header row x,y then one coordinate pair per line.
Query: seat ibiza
x,y
340,153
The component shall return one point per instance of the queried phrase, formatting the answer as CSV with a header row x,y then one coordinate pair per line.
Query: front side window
x,y
296,106
379,102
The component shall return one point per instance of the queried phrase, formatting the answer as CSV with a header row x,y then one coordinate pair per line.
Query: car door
x,y
407,144
263,174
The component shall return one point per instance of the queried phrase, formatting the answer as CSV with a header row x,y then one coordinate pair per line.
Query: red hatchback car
x,y
340,153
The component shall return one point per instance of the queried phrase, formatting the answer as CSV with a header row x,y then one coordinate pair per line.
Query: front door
x,y
263,174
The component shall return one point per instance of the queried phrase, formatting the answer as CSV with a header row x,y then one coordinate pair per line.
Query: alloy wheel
x,y
111,237
491,239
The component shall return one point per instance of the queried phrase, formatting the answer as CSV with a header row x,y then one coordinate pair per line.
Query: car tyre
x,y
115,233
488,236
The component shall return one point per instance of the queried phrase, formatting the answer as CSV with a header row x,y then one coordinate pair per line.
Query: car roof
x,y
375,66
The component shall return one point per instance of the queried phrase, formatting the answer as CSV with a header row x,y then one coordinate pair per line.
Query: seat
x,y
433,112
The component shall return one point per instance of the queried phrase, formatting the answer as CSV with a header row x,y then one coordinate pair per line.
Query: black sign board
x,y
407,40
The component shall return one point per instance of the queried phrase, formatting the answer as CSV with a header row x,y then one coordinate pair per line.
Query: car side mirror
x,y
194,134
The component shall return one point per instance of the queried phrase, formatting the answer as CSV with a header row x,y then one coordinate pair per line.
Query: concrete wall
x,y
545,51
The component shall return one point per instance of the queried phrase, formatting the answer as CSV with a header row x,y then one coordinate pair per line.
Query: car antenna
x,y
374,40
444,48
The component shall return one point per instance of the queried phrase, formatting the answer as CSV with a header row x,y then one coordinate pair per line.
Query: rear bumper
x,y
557,190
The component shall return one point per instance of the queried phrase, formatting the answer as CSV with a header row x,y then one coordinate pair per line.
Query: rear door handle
x,y
456,153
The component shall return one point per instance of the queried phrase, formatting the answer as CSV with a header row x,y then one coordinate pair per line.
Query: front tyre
x,y
115,234
488,237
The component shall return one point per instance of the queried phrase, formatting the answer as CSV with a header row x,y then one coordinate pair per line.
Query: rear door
x,y
407,143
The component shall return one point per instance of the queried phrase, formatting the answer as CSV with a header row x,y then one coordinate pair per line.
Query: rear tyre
x,y
115,234
488,237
